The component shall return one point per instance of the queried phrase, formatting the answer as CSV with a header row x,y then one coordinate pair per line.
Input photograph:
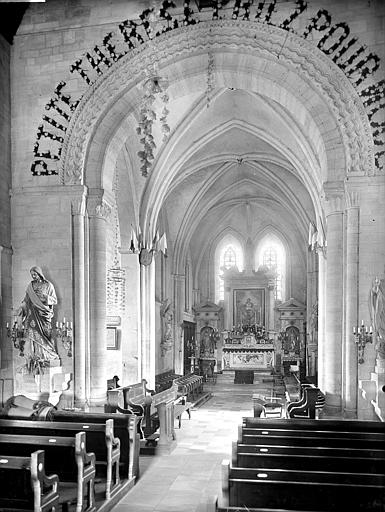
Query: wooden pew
x,y
304,424
211,504
125,428
100,440
244,456
24,484
339,440
64,456
324,451
160,409
309,490
311,400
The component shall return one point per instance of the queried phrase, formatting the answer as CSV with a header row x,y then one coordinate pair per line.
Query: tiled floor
x,y
185,479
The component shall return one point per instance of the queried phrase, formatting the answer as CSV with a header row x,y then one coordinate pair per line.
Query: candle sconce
x,y
362,336
17,336
63,333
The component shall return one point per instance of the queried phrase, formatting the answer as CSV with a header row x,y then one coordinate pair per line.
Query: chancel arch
x,y
280,143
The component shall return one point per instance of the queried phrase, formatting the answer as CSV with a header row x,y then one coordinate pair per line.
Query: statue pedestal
x,y
47,386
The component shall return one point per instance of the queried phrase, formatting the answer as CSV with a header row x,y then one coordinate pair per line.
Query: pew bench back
x,y
259,487
24,484
100,440
64,456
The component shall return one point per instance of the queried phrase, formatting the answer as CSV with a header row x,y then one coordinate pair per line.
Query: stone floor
x,y
186,479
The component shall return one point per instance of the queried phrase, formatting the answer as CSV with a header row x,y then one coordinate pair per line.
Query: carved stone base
x,y
48,386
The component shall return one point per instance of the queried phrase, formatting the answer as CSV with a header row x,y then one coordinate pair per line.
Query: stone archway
x,y
311,92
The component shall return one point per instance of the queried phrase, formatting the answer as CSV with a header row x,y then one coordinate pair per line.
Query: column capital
x,y
98,207
78,205
333,196
353,187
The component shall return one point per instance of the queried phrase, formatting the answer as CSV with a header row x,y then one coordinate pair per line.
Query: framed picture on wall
x,y
249,306
112,338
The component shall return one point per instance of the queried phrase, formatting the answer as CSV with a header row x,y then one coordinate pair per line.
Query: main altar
x,y
249,349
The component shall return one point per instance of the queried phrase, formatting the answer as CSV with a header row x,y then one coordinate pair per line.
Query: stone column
x,y
196,296
271,288
147,358
178,301
321,251
334,299
228,314
131,332
98,212
311,307
351,303
79,279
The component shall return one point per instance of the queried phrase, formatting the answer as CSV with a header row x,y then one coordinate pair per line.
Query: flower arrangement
x,y
35,365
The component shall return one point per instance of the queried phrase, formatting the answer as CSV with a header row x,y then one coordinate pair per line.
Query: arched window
x,y
228,254
271,253
229,257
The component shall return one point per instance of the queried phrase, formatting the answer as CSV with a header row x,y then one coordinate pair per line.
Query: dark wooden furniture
x,y
244,377
310,403
64,456
24,484
125,428
100,441
304,464
302,490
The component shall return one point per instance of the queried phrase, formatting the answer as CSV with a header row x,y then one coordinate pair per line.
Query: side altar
x,y
249,349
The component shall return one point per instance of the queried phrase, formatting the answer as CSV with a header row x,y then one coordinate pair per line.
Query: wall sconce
x,y
17,337
362,336
64,334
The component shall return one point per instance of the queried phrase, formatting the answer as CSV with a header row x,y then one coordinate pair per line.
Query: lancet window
x,y
272,254
228,254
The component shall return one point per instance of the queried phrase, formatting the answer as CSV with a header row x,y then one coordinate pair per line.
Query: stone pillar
x,y
311,306
178,301
79,280
228,314
131,332
271,288
196,296
147,355
351,303
321,251
334,300
98,212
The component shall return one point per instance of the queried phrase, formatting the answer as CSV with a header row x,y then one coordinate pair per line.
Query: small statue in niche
x,y
207,344
377,314
35,315
167,317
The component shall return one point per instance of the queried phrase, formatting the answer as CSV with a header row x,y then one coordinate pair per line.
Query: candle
x,y
64,320
354,330
371,330
71,325
362,322
7,325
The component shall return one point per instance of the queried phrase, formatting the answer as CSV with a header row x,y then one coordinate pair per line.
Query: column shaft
x,y
79,349
147,303
321,318
97,271
334,314
351,298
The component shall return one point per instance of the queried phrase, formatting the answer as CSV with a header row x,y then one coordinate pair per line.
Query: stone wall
x,y
5,211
